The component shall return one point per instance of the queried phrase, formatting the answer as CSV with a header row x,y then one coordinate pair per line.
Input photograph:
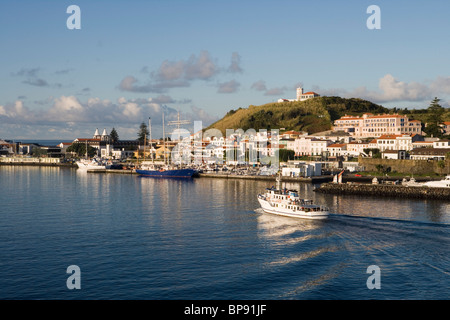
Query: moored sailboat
x,y
150,170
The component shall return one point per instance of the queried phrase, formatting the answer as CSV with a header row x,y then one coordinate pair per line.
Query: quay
x,y
385,190
315,179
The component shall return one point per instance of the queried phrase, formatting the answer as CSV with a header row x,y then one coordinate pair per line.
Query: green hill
x,y
313,115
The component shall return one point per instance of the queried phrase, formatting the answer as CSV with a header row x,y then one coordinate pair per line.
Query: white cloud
x,y
180,73
16,111
67,116
228,87
441,85
235,66
393,90
277,91
200,68
259,85
171,70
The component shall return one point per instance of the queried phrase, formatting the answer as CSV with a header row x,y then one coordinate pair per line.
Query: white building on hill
x,y
301,96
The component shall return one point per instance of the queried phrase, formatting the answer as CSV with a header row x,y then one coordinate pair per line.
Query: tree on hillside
x,y
435,111
434,105
143,132
114,135
434,118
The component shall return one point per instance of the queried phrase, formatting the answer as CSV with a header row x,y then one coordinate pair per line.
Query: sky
x,y
132,60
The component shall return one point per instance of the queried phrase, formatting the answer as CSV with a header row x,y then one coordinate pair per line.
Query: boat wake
x,y
414,257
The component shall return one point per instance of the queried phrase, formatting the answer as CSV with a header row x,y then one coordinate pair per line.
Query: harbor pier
x,y
385,190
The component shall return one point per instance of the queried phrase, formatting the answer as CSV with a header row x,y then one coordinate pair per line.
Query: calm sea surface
x,y
144,238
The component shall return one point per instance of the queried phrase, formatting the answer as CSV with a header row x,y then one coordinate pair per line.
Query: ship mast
x,y
164,139
178,122
150,137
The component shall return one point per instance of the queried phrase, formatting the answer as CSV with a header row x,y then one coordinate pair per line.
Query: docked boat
x,y
151,170
411,183
444,183
166,172
93,164
286,202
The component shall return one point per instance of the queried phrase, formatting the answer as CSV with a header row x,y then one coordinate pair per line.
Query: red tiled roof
x,y
311,92
336,145
390,136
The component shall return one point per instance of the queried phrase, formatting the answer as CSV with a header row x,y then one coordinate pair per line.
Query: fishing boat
x,y
288,203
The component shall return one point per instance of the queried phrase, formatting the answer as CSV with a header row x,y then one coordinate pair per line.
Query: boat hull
x,y
312,215
178,173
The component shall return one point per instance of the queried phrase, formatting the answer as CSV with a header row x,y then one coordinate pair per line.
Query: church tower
x,y
96,135
105,136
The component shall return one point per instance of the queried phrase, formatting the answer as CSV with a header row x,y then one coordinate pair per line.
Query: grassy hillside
x,y
313,115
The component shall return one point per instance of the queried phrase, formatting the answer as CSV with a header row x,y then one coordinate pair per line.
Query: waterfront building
x,y
356,148
302,169
64,146
374,126
26,148
397,142
422,144
310,146
337,149
441,144
429,153
52,152
394,154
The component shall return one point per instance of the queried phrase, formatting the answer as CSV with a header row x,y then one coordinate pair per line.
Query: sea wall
x,y
409,167
317,179
380,190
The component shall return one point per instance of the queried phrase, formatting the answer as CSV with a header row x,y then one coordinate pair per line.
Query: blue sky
x,y
132,59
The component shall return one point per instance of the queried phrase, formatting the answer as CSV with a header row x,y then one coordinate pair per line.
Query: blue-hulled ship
x,y
163,172
167,173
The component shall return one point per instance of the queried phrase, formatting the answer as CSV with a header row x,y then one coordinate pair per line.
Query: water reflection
x,y
275,226
304,256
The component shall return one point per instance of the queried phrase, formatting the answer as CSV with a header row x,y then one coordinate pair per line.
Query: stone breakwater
x,y
385,191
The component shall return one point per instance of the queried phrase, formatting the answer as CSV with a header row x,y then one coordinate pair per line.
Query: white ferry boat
x,y
286,202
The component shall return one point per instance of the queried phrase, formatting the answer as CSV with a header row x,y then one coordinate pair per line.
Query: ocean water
x,y
158,239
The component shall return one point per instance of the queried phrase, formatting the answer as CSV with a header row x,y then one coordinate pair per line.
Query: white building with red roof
x,y
337,149
301,96
370,125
